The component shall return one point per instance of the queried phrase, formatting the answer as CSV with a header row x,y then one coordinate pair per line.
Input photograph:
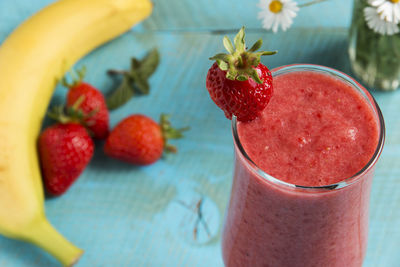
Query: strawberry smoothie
x,y
303,173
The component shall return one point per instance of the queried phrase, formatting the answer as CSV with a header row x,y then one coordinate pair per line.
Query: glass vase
x,y
374,57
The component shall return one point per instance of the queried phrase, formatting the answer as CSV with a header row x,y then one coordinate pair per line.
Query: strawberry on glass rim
x,y
237,82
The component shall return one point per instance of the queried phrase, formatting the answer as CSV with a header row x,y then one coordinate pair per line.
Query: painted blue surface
x,y
199,15
129,216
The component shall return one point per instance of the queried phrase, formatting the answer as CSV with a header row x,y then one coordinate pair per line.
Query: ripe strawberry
x,y
238,83
139,140
64,150
93,103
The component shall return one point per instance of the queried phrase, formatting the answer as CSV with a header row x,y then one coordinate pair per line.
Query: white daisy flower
x,y
388,9
275,13
379,25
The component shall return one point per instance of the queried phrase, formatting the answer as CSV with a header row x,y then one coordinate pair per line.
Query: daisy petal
x,y
373,17
273,19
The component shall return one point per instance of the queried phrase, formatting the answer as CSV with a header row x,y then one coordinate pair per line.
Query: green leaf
x,y
57,113
81,73
149,63
121,95
239,40
140,82
256,45
78,102
220,56
222,65
173,134
76,77
135,80
228,45
170,148
231,75
169,132
254,75
135,64
267,53
239,64
255,61
241,78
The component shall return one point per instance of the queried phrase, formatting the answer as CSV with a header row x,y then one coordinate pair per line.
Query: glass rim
x,y
345,182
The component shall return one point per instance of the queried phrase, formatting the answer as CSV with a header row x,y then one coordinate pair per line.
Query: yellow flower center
x,y
394,1
276,6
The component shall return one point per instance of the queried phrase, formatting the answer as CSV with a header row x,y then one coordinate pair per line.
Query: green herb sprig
x,y
134,81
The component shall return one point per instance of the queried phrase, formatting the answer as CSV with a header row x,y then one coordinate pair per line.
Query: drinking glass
x,y
270,222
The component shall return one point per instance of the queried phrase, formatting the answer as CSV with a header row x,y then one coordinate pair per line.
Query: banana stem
x,y
43,234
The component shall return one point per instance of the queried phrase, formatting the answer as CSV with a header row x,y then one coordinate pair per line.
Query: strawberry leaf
x,y
239,64
239,40
257,45
169,132
57,113
64,114
228,45
76,77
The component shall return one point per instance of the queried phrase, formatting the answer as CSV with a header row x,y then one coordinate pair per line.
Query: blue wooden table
x,y
129,216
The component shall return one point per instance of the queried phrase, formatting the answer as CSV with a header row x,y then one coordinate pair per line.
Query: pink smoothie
x,y
317,130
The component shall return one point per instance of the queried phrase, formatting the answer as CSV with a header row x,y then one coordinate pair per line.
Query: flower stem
x,y
311,3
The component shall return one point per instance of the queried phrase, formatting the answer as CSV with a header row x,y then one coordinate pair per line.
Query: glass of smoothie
x,y
303,173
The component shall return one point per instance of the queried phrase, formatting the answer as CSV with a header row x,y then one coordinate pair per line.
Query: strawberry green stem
x,y
43,234
57,113
78,102
169,132
76,76
74,114
239,63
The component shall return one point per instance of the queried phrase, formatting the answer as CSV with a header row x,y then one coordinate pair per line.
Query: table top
x,y
129,216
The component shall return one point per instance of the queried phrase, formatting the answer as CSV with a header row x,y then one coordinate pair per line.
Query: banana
x,y
32,59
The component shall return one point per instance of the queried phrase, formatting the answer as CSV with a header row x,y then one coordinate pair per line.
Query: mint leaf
x,y
149,63
135,81
140,83
135,64
121,95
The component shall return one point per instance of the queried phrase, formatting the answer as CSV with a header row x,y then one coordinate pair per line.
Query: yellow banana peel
x,y
32,59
